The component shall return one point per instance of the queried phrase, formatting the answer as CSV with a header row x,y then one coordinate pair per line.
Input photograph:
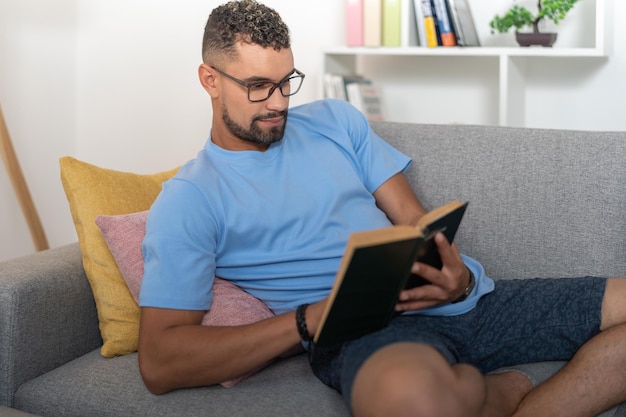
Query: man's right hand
x,y
176,351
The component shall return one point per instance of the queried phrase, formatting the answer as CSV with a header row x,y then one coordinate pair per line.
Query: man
x,y
269,203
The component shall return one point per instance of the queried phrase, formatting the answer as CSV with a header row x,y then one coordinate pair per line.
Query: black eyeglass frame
x,y
279,85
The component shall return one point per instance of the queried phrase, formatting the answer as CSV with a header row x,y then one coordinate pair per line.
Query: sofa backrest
x,y
542,202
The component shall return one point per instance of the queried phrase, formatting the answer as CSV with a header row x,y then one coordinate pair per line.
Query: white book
x,y
409,36
329,91
419,22
367,98
372,22
463,23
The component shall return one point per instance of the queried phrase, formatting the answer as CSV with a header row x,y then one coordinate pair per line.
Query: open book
x,y
375,267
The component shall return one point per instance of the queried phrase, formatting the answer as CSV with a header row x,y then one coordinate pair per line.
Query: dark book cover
x,y
373,271
428,253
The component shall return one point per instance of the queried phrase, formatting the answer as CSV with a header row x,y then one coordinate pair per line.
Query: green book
x,y
392,23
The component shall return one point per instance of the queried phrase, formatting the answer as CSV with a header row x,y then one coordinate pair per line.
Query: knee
x,y
416,387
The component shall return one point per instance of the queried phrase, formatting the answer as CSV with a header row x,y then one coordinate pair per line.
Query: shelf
x,y
468,51
503,71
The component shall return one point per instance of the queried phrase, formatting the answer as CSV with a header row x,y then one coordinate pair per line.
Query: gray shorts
x,y
521,321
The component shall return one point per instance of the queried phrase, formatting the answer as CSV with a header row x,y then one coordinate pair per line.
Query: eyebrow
x,y
258,78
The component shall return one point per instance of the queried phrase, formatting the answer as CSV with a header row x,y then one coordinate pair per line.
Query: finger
x,y
453,265
444,283
416,305
438,277
450,256
424,292
421,297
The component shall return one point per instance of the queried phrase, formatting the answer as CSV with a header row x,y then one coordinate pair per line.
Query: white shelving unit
x,y
511,62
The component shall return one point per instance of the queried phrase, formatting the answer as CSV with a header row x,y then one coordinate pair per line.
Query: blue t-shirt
x,y
274,223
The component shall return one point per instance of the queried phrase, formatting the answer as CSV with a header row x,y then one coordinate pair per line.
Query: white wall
x,y
140,105
559,92
37,94
113,82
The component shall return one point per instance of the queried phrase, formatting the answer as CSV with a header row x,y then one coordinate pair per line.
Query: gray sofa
x,y
542,203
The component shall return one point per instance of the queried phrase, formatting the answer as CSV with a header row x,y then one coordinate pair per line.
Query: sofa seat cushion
x,y
95,386
11,412
111,387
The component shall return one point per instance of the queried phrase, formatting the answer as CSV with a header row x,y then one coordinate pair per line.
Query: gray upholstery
x,y
94,386
12,412
542,203
47,316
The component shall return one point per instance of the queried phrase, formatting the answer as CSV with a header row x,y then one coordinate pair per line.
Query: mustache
x,y
271,115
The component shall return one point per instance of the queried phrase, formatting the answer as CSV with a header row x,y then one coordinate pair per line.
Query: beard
x,y
253,133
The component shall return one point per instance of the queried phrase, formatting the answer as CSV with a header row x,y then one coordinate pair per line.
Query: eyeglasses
x,y
262,90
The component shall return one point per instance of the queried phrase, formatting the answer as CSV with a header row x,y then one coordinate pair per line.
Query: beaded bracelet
x,y
301,323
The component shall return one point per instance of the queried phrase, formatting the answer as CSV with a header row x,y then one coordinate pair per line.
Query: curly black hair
x,y
242,21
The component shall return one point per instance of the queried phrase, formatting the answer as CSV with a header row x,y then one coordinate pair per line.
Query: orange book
x,y
446,31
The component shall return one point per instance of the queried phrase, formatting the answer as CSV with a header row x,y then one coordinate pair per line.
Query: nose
x,y
277,101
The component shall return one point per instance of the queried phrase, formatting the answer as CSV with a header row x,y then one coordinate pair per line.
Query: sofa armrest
x,y
47,316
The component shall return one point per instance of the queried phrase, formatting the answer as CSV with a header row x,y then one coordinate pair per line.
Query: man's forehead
x,y
257,61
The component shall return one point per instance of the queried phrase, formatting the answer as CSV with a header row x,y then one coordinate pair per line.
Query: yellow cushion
x,y
92,191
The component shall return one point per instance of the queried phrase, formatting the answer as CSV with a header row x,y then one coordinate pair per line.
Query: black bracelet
x,y
301,323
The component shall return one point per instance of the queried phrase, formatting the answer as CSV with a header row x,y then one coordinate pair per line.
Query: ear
x,y
206,74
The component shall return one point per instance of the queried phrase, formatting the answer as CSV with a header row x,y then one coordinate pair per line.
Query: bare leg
x,y
593,381
415,380
614,303
409,379
505,391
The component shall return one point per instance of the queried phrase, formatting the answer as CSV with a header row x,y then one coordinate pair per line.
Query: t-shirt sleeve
x,y
179,250
377,159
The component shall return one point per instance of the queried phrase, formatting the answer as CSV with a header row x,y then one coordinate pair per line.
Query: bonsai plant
x,y
520,17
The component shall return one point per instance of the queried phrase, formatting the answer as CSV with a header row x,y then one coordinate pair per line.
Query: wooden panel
x,y
21,189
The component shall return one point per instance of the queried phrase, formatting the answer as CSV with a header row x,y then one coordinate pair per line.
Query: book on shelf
x,y
430,24
354,22
463,23
375,267
372,22
367,98
329,89
391,23
418,10
444,23
335,85
408,31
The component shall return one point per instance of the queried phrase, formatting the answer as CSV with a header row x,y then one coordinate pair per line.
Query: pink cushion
x,y
231,305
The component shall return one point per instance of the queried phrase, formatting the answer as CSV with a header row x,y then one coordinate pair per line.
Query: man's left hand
x,y
443,286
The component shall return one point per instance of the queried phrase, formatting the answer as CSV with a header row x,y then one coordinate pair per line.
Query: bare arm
x,y
176,351
397,199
